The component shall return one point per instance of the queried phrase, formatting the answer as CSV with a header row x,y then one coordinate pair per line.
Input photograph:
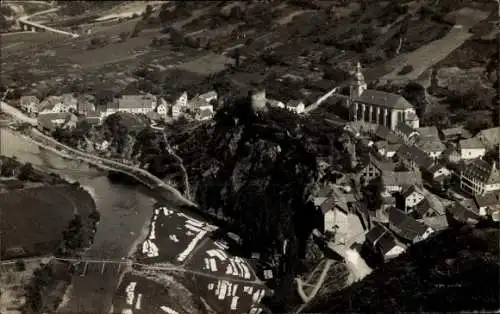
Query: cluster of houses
x,y
428,178
59,110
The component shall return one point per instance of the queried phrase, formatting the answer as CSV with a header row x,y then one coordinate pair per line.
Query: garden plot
x,y
230,297
173,236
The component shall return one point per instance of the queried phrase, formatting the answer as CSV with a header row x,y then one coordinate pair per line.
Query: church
x,y
378,107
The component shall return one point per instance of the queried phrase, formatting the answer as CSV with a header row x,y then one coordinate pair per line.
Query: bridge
x,y
27,25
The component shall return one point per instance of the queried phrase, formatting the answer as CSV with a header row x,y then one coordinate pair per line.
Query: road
x,y
316,288
25,20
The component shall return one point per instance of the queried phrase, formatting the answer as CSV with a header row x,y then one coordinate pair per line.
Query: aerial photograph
x,y
249,157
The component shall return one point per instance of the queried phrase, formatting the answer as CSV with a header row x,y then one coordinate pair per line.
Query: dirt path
x,y
316,288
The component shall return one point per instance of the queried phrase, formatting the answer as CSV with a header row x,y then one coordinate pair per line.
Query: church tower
x,y
359,85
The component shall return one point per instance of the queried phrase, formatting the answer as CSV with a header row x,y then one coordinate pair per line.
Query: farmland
x,y
217,277
37,228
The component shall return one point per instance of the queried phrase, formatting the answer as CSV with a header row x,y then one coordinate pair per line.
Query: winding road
x,y
25,20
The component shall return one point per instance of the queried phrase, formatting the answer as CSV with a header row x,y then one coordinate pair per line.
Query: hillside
x,y
456,270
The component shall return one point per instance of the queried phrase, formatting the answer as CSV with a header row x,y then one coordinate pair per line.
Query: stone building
x,y
378,107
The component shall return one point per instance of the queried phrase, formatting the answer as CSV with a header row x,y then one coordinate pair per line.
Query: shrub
x,y
406,69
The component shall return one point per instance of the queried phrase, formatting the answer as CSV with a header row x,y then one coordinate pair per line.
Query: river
x,y
125,211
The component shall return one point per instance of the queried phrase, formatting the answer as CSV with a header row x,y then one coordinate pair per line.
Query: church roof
x,y
383,99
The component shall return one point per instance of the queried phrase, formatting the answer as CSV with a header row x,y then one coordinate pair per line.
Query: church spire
x,y
359,84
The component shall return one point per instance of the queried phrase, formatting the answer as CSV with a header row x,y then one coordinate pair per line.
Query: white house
x,y
179,105
276,103
438,170
162,107
393,181
58,104
296,106
479,177
203,115
380,240
412,197
137,104
29,104
471,148
488,203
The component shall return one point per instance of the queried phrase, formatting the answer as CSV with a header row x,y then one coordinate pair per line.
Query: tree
x,y
26,172
147,12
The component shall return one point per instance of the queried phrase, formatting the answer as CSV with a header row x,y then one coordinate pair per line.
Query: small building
x,y
162,107
407,133
433,148
412,196
455,134
382,242
387,135
58,104
413,157
479,177
429,133
398,181
276,103
424,209
437,175
488,204
471,148
386,149
458,214
180,105
296,106
203,114
374,169
29,104
406,227
85,104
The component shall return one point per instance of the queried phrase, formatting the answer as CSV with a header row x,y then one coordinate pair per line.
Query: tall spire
x,y
360,78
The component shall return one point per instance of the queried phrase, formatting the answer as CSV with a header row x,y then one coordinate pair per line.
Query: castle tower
x,y
359,85
258,99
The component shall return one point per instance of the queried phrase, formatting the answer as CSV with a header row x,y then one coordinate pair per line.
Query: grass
x,y
46,211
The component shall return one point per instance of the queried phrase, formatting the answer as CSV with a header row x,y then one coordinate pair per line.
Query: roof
x,y
488,199
387,134
136,101
482,171
410,190
489,137
461,213
85,103
471,143
415,154
47,120
422,208
382,165
324,191
456,131
405,226
428,132
208,95
432,145
405,129
383,99
327,205
401,178
294,103
375,233
386,243
28,99
50,102
435,167
205,113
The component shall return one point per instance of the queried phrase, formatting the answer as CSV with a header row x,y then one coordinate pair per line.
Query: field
x,y
33,219
223,280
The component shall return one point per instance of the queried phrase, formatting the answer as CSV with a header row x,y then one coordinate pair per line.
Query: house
x,y
424,209
458,214
397,181
413,157
451,154
455,134
438,175
479,177
381,241
29,104
162,107
296,106
374,169
198,104
276,103
208,97
85,104
58,104
180,105
50,121
387,134
488,203
471,148
203,114
433,148
93,118
137,103
412,196
333,208
406,227
490,138
385,149
406,132
429,133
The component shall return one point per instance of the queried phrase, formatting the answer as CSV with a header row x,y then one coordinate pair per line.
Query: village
x,y
415,181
